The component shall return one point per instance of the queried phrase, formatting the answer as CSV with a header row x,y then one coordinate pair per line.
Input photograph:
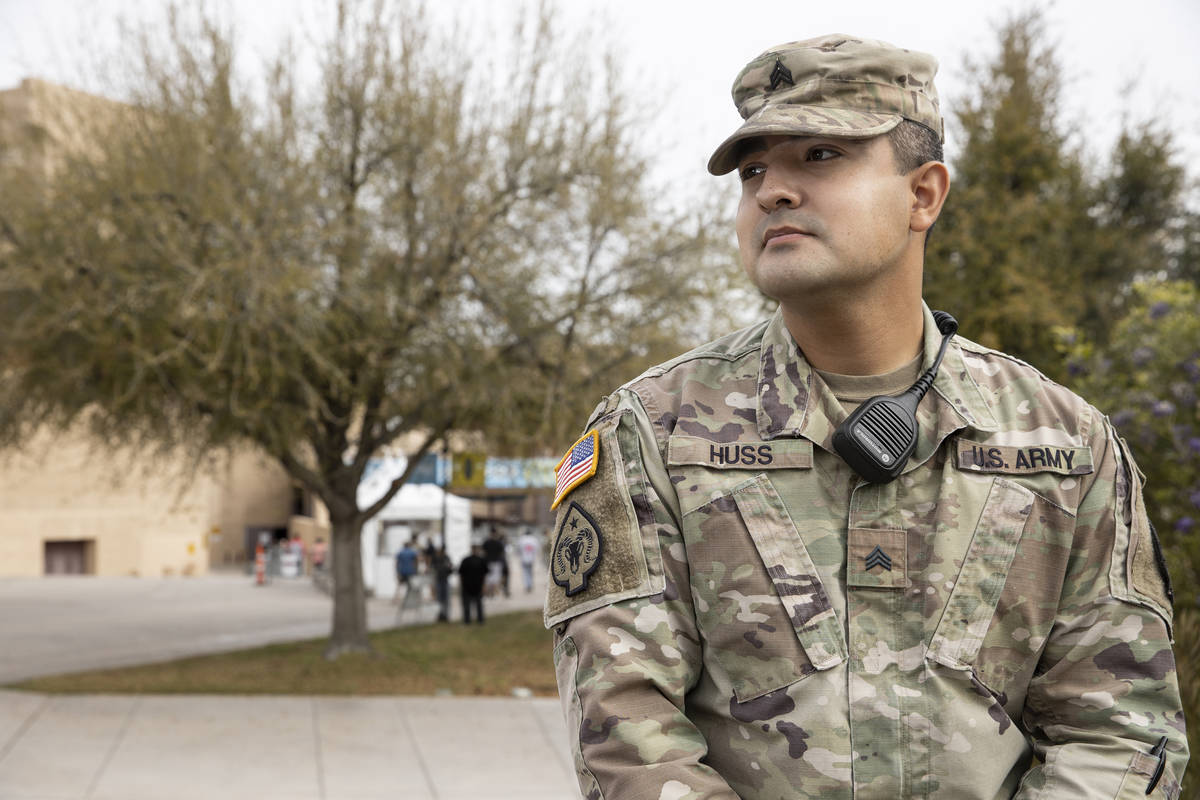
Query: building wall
x,y
146,514
251,492
512,507
142,514
41,122
67,488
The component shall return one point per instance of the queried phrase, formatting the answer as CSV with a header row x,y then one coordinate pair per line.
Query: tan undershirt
x,y
852,390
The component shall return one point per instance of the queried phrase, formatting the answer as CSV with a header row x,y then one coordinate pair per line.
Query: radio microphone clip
x,y
879,437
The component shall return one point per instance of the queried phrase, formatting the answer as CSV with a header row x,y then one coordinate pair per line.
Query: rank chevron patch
x,y
780,75
878,558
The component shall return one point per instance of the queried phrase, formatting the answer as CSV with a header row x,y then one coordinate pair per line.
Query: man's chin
x,y
801,286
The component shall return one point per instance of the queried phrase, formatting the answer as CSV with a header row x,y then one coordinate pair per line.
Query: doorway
x,y
70,557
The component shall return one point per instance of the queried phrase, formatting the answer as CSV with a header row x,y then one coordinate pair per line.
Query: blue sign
x,y
519,473
432,468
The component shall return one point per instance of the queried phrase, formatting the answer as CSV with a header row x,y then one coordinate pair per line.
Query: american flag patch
x,y
576,466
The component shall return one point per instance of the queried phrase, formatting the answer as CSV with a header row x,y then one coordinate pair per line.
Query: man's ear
x,y
929,184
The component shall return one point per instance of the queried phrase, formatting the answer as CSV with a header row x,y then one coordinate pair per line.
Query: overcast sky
x,y
695,47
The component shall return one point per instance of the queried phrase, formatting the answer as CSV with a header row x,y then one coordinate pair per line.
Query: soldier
x,y
739,612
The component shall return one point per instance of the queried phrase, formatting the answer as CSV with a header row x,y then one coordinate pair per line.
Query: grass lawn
x,y
510,650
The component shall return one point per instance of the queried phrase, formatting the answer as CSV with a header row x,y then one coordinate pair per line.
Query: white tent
x,y
385,534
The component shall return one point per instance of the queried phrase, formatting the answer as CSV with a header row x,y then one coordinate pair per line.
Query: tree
x,y
996,256
1036,233
1148,378
419,241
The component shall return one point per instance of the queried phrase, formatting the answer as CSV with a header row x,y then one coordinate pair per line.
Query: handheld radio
x,y
880,436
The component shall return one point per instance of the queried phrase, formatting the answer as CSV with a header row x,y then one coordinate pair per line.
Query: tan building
x,y
511,507
67,506
39,121
70,506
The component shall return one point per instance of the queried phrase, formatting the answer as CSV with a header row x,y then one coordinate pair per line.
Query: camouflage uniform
x,y
730,642
738,614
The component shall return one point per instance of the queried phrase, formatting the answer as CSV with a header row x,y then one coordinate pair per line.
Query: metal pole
x,y
445,493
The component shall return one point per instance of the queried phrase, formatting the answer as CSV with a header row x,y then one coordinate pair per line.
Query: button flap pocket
x,y
760,605
792,571
972,602
877,559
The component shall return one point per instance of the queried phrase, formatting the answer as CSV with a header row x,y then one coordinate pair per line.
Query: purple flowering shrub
x,y
1148,380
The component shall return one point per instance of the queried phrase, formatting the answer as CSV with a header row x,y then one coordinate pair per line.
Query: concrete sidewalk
x,y
114,747
68,624
103,747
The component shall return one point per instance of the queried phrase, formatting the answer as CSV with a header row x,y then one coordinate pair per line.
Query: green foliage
x,y
1148,380
1035,234
1004,235
404,247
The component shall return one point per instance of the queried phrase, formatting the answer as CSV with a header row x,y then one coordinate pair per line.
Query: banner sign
x,y
430,469
468,471
519,473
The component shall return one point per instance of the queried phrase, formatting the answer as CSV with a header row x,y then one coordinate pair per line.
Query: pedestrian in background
x,y
406,568
528,548
471,575
439,564
493,551
296,544
319,552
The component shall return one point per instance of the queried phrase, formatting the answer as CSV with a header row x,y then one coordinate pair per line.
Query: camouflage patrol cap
x,y
835,85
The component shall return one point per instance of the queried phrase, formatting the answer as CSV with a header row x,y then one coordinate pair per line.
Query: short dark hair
x,y
913,144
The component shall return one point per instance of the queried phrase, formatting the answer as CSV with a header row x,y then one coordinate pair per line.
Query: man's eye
x,y
751,171
822,154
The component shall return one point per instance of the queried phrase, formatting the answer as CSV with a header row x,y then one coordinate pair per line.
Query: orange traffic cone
x,y
260,566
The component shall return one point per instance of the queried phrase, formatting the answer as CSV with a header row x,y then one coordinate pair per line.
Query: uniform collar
x,y
793,400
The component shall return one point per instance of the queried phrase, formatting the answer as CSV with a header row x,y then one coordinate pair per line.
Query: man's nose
x,y
779,188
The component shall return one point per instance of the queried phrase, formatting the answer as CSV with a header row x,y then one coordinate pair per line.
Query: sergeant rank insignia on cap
x,y
577,550
781,75
576,466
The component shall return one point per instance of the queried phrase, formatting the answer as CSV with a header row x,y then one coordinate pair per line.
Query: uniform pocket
x,y
1141,771
972,604
566,665
762,610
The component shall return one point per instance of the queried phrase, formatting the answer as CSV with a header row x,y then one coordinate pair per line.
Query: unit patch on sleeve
x,y
577,550
1145,566
604,549
576,466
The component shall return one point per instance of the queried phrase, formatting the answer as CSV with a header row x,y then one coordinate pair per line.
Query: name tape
x,y
777,454
1010,460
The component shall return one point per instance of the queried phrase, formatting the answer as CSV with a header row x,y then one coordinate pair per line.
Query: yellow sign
x,y
468,471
